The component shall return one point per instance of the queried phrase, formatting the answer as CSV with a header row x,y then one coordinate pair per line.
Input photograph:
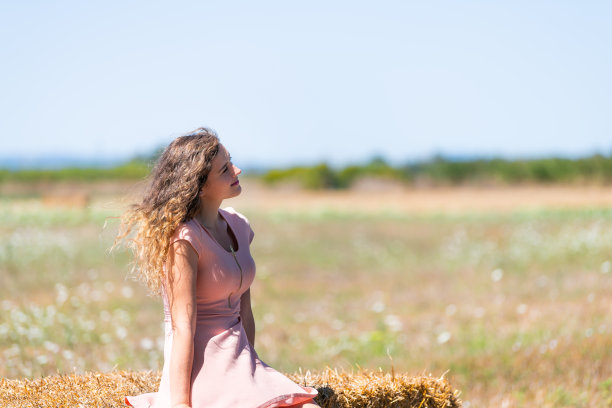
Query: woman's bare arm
x,y
246,314
182,267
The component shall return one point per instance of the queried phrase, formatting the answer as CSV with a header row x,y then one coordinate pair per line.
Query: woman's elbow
x,y
183,329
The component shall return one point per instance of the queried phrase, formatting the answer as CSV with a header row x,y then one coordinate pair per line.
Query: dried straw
x,y
363,389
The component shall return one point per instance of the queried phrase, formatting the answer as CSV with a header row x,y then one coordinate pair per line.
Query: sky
x,y
286,83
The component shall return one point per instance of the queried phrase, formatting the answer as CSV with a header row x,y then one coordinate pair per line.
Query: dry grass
x,y
364,389
446,200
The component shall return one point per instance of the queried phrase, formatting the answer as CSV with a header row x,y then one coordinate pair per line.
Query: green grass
x,y
516,306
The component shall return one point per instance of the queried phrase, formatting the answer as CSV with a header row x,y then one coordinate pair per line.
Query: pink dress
x,y
226,370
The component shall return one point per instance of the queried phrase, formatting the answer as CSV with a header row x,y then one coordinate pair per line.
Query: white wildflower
x,y
497,275
121,332
378,306
146,343
393,323
52,347
127,292
444,337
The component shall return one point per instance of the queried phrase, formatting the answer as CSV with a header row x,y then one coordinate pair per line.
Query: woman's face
x,y
222,181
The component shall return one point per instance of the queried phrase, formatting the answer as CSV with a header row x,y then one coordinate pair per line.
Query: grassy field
x,y
512,300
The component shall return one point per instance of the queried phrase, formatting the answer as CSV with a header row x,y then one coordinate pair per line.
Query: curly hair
x,y
170,198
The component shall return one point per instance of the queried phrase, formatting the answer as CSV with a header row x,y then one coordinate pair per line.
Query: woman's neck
x,y
208,214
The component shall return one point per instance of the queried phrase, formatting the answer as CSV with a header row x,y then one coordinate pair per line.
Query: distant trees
x,y
438,171
133,170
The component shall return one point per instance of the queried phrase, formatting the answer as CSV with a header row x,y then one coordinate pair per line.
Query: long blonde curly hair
x,y
170,198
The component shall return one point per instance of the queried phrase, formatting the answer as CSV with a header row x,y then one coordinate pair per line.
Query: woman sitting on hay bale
x,y
196,256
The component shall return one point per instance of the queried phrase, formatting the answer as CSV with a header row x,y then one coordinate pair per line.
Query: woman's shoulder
x,y
231,211
184,227
242,221
187,231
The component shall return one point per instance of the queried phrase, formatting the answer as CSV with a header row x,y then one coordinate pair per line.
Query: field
x,y
506,291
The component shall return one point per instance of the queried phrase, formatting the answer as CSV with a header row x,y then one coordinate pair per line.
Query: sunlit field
x,y
512,301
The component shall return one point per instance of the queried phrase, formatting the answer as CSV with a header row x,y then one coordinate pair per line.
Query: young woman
x,y
196,256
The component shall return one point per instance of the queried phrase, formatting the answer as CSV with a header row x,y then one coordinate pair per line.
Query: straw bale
x,y
363,389
378,389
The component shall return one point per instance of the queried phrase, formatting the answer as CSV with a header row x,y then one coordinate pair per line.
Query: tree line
x,y
437,171
441,171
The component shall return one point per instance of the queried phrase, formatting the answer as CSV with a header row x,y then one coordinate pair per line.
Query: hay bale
x,y
378,389
342,390
76,390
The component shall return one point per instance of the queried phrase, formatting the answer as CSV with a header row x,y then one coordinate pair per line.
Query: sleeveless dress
x,y
226,371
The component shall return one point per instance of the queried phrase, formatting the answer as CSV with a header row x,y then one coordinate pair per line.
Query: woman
x,y
196,256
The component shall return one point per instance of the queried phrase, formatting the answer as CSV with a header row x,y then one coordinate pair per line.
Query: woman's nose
x,y
237,170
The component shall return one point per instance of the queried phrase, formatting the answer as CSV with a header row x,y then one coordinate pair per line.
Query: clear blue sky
x,y
298,82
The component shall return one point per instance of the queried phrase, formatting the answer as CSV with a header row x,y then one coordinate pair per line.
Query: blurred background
x,y
429,183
